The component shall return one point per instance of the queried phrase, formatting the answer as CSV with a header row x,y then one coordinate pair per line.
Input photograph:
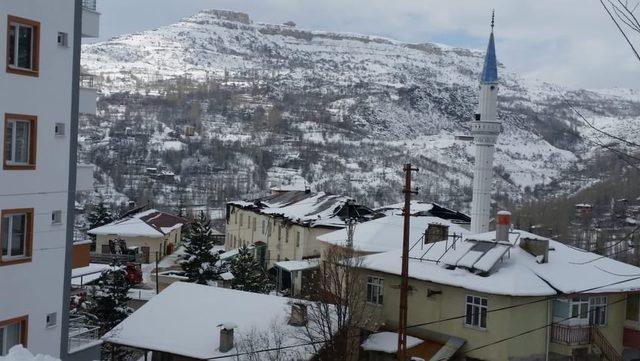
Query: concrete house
x,y
508,295
149,231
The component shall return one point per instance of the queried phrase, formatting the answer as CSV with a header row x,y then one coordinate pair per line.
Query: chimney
x,y
226,337
537,247
437,232
299,315
503,223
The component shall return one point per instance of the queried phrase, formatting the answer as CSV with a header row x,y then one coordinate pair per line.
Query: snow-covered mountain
x,y
339,111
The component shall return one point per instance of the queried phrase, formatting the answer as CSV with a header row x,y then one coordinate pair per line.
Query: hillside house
x,y
149,231
188,321
285,226
509,295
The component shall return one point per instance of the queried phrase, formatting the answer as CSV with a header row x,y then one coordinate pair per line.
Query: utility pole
x,y
404,286
157,275
351,226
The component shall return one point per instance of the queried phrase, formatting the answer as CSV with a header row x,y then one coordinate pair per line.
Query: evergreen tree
x,y
198,261
109,299
248,273
100,216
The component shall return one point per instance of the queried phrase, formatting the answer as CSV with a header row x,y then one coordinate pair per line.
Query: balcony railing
x,y
571,335
89,5
88,81
81,334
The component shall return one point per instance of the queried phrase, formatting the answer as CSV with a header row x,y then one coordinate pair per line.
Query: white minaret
x,y
485,129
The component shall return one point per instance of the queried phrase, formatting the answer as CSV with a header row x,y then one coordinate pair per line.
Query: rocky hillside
x,y
273,105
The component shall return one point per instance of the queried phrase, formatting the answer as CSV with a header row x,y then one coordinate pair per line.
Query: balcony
x,y
88,95
84,177
571,335
90,19
82,335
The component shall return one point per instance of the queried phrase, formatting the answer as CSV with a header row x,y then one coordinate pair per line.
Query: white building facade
x,y
485,130
40,49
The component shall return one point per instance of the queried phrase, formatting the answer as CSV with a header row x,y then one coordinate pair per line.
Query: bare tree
x,y
268,345
339,309
624,14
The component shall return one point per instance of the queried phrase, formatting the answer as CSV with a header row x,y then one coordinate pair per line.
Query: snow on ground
x,y
387,342
19,353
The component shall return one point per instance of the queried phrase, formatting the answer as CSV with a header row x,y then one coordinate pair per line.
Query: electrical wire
x,y
532,330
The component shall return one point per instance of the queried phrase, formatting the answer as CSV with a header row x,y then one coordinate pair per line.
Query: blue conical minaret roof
x,y
490,69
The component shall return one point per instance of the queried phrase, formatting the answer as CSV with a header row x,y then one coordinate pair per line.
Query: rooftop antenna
x,y
493,19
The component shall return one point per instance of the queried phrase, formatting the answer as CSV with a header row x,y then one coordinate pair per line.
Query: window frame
x,y
28,246
35,46
480,309
23,321
375,283
7,164
598,302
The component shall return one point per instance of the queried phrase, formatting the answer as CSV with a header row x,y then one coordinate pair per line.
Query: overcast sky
x,y
569,42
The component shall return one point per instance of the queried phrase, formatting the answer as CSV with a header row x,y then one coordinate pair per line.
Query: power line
x,y
532,330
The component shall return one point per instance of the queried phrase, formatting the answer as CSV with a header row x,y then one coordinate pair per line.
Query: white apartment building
x,y
40,49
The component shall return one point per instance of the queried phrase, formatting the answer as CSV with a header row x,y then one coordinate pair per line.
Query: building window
x,y
286,235
264,227
598,310
476,314
13,332
23,46
255,219
20,141
241,219
297,239
279,233
375,290
16,235
579,308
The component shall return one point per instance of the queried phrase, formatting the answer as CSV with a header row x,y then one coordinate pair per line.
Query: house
x,y
509,295
188,321
285,225
151,232
39,108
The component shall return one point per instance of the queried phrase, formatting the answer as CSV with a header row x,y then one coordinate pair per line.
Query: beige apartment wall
x,y
241,231
452,303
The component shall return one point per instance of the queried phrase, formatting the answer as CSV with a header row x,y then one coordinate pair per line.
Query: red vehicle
x,y
134,273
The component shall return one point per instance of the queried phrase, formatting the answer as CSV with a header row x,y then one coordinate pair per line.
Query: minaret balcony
x,y
481,127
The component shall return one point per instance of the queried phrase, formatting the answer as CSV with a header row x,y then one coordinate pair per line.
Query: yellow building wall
x,y
452,303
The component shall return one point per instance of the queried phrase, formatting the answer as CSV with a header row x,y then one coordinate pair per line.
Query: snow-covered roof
x,y
87,274
516,272
19,353
419,208
151,223
385,234
307,208
387,342
193,330
227,276
301,265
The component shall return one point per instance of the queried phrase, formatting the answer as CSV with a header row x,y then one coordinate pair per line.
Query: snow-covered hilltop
x,y
356,91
